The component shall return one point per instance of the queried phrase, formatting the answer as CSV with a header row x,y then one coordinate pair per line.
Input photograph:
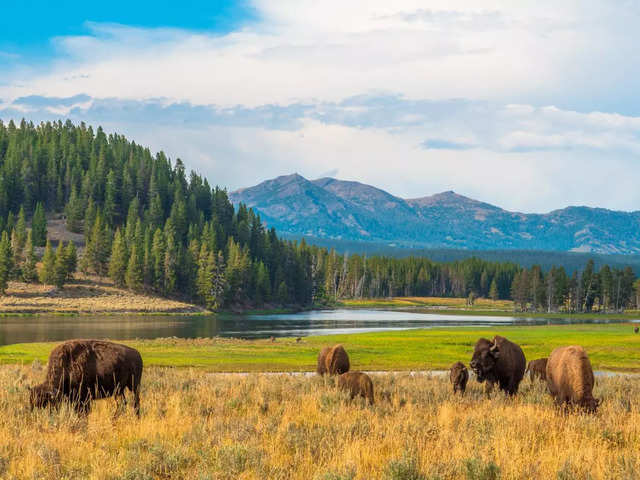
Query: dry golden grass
x,y
211,426
85,294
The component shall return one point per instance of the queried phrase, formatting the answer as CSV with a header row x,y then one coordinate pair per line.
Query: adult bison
x,y
570,378
357,384
537,369
498,361
459,376
333,361
84,370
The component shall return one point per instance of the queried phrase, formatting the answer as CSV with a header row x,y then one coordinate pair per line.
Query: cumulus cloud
x,y
515,103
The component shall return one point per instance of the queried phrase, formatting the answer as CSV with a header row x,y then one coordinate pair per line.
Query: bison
x,y
498,361
537,369
459,376
357,384
84,370
570,378
333,361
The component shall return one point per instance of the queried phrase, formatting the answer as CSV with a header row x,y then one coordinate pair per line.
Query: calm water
x,y
42,329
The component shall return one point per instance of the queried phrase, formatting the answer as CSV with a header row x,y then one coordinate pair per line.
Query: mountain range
x,y
346,210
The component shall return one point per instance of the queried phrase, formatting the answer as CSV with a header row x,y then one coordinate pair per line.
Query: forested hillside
x,y
151,226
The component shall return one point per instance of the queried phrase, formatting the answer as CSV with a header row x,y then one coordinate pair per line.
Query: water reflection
x,y
123,327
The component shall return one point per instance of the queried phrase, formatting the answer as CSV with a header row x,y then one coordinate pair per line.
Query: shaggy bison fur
x,y
333,361
537,369
570,378
84,370
499,361
357,384
459,376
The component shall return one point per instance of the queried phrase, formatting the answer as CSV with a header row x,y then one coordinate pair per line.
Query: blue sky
x,y
28,26
531,105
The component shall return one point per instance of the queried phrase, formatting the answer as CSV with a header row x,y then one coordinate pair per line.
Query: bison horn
x,y
495,350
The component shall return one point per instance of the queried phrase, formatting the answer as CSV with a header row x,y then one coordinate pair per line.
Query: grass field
x,y
454,303
199,426
610,347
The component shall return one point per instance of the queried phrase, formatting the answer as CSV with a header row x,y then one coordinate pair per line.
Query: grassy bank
x,y
295,428
85,295
610,347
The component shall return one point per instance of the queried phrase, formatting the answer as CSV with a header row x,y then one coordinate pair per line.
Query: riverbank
x,y
610,347
481,306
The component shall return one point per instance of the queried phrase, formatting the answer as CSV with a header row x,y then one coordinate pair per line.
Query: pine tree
x,y
39,226
47,273
29,270
70,260
21,230
134,276
74,212
119,261
98,249
493,290
158,254
6,262
60,266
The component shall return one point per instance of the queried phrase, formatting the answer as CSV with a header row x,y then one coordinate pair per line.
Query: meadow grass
x,y
479,303
610,347
197,425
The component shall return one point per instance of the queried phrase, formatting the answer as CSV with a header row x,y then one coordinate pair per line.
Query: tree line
x,y
150,226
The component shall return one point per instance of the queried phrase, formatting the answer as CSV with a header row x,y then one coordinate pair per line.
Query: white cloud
x,y
511,102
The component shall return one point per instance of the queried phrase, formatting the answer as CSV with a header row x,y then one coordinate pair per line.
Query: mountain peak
x,y
350,210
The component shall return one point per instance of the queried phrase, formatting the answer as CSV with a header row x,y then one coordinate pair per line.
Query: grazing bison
x,y
459,376
537,369
84,370
636,330
333,361
498,361
570,378
357,384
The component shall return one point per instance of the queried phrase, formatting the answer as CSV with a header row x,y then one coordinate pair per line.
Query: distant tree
x,y
493,290
39,226
134,276
283,293
29,270
637,292
70,260
158,254
75,212
47,273
21,230
60,266
119,261
6,262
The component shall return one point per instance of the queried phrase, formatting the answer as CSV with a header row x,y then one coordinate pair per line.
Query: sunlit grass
x,y
202,426
610,347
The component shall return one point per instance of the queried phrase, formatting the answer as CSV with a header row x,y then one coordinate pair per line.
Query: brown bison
x,y
570,378
357,384
537,369
333,361
636,330
84,370
459,376
498,361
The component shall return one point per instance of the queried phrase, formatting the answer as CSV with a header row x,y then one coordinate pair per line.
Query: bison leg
x,y
136,400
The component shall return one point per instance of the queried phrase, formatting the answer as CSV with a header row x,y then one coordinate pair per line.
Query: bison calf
x,y
570,378
537,369
499,361
84,370
357,384
459,376
333,361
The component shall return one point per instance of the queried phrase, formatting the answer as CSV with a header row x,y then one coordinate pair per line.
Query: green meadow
x,y
610,347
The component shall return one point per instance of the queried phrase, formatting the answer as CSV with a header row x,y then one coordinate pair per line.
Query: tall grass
x,y
208,426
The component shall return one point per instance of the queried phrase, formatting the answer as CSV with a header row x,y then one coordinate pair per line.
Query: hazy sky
x,y
529,105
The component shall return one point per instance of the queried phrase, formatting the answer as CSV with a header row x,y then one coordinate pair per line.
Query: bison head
x,y
484,358
41,396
